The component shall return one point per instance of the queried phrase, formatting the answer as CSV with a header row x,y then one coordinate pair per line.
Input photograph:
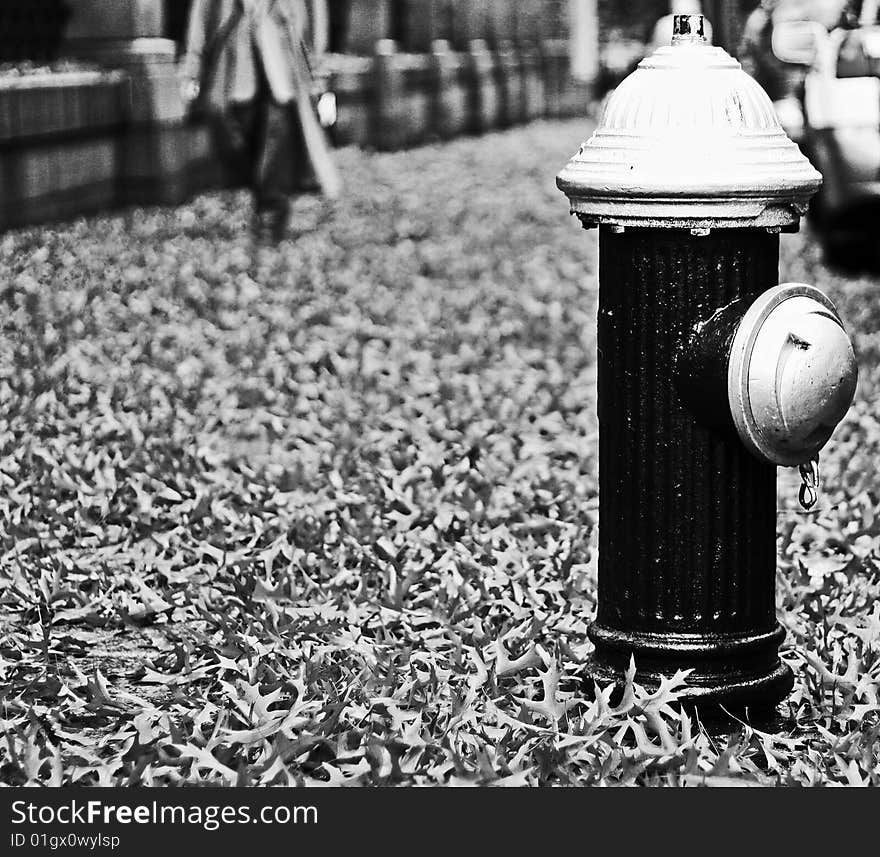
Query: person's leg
x,y
304,178
261,209
233,133
273,179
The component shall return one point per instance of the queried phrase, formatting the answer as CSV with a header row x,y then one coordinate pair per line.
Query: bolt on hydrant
x,y
710,374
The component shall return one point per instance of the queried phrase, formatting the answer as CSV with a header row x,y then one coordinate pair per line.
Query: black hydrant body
x,y
688,524
702,365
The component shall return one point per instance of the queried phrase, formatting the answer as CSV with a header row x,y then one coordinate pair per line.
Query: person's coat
x,y
227,43
230,41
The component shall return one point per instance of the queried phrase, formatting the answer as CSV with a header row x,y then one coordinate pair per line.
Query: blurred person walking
x,y
248,68
756,52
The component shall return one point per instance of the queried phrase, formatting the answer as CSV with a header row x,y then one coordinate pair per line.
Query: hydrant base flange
x,y
754,692
742,670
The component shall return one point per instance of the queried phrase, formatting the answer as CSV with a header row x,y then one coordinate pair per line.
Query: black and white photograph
x,y
434,393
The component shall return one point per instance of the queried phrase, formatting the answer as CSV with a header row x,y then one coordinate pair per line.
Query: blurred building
x,y
355,26
31,30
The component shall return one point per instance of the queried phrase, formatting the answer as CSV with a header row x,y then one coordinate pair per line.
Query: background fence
x,y
354,26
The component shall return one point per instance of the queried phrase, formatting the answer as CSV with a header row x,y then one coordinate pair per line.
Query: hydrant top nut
x,y
689,140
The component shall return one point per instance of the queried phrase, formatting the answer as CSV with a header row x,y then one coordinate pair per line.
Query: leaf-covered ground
x,y
326,513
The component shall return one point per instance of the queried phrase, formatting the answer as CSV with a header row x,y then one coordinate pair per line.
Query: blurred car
x,y
835,117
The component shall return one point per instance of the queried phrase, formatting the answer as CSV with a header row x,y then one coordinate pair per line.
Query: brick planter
x,y
58,144
44,105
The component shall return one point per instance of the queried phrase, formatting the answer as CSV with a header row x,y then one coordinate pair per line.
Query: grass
x,y
326,513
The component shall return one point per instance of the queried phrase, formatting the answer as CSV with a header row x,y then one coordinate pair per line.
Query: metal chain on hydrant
x,y
809,491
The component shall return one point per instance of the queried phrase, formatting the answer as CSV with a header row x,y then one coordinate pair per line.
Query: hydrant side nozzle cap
x,y
689,140
792,374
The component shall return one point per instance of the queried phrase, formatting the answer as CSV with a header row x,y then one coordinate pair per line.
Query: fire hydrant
x,y
710,374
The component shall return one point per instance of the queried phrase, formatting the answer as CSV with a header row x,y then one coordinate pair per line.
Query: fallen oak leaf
x,y
166,492
264,593
204,759
98,690
504,665
515,723
287,722
550,707
482,675
151,603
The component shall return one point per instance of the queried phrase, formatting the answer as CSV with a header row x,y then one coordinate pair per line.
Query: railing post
x,y
388,88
